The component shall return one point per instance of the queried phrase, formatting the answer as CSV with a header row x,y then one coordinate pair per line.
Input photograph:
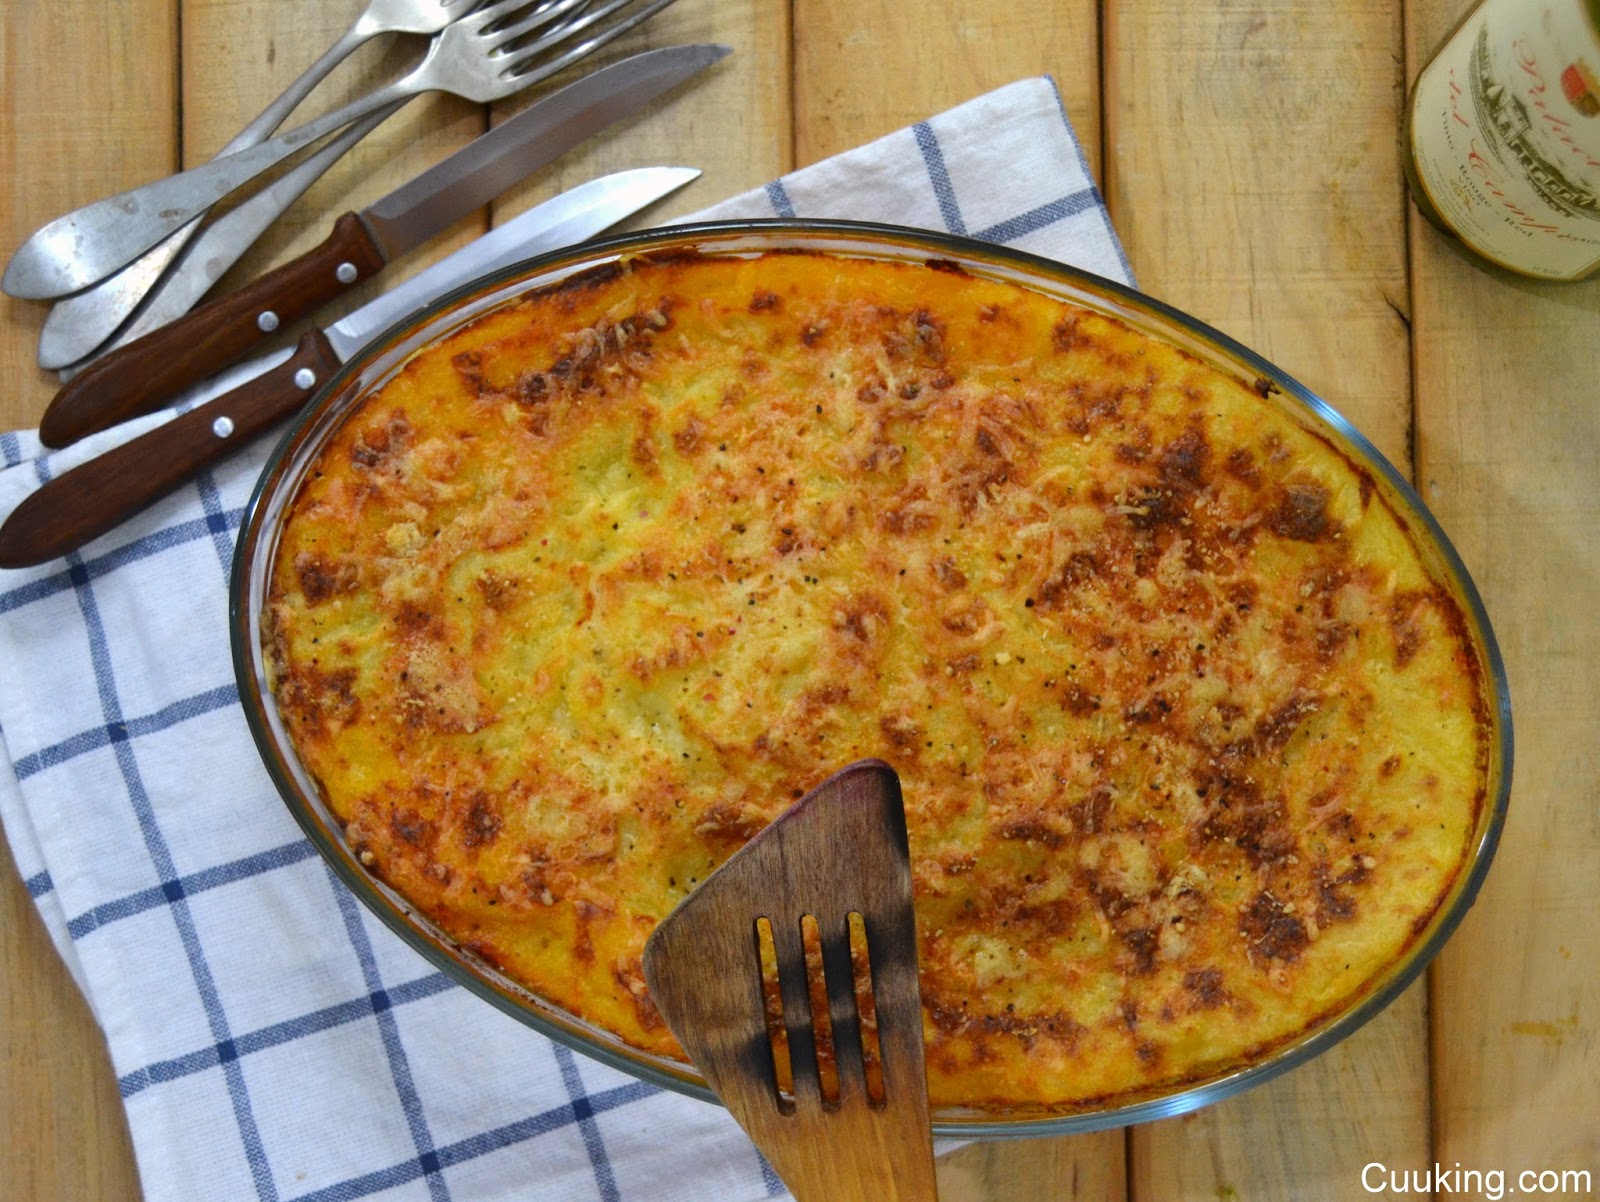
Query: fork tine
x,y
532,19
486,16
515,68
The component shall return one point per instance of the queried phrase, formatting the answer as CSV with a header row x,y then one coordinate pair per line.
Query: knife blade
x,y
94,497
148,372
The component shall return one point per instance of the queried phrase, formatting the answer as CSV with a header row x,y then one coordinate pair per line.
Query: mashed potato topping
x,y
1191,742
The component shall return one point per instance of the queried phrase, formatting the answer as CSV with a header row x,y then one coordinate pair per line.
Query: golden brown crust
x,y
1191,742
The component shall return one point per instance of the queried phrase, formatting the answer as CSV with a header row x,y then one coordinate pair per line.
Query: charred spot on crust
x,y
1275,729
687,437
316,698
410,827
498,591
1080,568
1065,335
1270,931
376,447
929,336
531,388
320,579
863,617
1132,453
962,621
1151,508
1205,986
1143,942
948,575
643,451
1333,906
763,301
482,823
412,618
1330,639
1256,826
593,278
902,732
469,366
1032,830
729,824
1406,629
1184,461
1301,513
1078,701
1241,465
899,521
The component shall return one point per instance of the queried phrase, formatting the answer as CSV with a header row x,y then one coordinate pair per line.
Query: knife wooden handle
x,y
99,495
150,371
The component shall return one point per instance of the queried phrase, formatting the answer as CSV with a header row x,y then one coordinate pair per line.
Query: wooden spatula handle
x,y
149,372
97,496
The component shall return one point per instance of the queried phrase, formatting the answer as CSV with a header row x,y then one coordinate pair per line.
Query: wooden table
x,y
1249,155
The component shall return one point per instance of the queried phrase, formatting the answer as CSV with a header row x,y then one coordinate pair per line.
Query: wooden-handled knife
x,y
96,496
150,371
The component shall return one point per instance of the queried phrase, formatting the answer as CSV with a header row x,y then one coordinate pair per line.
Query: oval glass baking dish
x,y
287,471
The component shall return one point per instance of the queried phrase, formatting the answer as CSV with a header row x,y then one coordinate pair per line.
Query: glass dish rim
x,y
874,240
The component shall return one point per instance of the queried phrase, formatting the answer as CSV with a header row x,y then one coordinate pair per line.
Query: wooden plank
x,y
1308,1134
1508,439
1083,1168
1252,174
732,121
864,68
87,102
61,1117
1251,171
88,97
239,54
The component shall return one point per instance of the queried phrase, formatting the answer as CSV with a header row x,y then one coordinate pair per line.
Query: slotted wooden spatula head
x,y
818,1051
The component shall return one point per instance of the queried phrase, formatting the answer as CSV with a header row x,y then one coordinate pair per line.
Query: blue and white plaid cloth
x,y
271,1039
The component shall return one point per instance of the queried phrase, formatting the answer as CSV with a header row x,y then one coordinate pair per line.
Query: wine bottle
x,y
1502,137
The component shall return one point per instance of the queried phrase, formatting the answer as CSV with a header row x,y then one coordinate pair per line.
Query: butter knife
x,y
148,372
94,497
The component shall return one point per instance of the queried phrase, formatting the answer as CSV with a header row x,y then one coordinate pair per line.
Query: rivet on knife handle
x,y
97,496
148,372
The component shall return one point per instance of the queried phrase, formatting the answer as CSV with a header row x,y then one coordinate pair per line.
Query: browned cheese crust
x,y
1191,741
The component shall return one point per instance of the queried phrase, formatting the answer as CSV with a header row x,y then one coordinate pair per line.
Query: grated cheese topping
x,y
1191,741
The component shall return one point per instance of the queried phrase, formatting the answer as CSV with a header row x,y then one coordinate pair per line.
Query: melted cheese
x,y
1191,742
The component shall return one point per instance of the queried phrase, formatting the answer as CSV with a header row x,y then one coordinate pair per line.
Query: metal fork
x,y
225,238
220,244
77,324
487,55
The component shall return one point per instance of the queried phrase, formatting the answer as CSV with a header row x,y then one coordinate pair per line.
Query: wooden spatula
x,y
811,917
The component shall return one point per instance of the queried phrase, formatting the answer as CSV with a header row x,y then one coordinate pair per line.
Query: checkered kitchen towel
x,y
270,1038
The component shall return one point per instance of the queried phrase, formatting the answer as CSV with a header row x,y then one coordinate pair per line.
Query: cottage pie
x,y
1192,742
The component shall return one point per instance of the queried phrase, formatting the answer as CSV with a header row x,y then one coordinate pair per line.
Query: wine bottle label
x,y
1505,136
